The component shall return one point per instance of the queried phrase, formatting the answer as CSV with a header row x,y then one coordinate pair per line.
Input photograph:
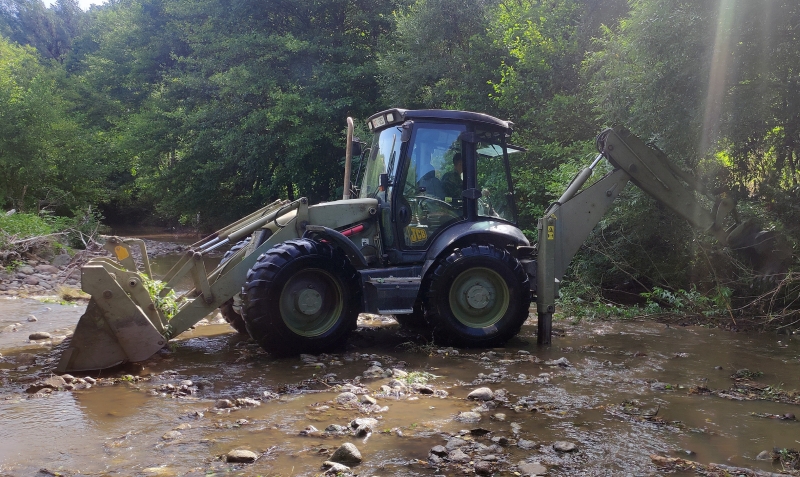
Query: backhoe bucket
x,y
112,331
769,252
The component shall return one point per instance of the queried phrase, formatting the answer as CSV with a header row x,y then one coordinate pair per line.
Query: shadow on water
x,y
620,391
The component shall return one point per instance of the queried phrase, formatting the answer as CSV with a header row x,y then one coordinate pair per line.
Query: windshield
x,y
382,159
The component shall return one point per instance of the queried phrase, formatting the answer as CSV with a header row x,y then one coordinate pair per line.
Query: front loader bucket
x,y
112,331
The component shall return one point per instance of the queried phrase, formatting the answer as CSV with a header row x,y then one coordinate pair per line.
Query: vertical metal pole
x,y
348,159
545,275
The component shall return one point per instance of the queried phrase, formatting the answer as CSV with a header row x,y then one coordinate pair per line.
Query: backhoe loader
x,y
429,236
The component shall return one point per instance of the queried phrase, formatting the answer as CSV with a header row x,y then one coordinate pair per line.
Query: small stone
x,y
374,372
458,456
32,319
481,394
346,398
90,380
564,446
241,456
483,468
503,441
718,367
247,402
346,454
366,399
438,450
563,362
30,281
764,455
53,382
224,404
68,378
335,468
531,468
336,428
50,269
468,416
39,335
455,443
658,386
61,260
310,431
171,435
526,444
499,417
789,416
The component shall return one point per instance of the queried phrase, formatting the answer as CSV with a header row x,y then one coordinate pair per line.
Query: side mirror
x,y
405,135
356,147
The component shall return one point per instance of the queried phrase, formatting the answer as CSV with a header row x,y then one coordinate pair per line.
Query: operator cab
x,y
432,169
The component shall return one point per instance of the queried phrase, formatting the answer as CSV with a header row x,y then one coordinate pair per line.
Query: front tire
x,y
301,296
478,297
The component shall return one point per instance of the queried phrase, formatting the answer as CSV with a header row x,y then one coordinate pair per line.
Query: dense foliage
x,y
196,112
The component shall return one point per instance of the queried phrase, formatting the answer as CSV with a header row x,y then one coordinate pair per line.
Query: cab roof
x,y
395,115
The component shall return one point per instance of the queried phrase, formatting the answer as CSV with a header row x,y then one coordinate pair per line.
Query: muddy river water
x,y
619,392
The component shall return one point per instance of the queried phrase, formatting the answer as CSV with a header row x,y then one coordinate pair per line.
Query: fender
x,y
495,232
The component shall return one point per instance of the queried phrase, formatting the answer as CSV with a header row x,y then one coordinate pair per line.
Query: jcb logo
x,y
416,234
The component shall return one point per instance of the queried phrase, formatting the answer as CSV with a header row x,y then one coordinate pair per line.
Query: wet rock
x,y
247,402
440,451
455,443
563,362
483,468
183,427
468,416
531,468
564,446
500,440
347,454
224,404
526,444
241,456
422,388
171,435
39,335
364,426
367,399
335,468
68,378
764,455
789,416
346,398
336,429
481,394
499,417
374,372
310,431
398,373
269,395
458,456
32,319
53,382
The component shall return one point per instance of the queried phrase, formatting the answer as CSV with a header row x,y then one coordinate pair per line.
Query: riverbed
x,y
607,398
618,393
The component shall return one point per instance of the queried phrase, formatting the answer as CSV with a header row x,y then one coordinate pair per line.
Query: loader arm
x,y
568,222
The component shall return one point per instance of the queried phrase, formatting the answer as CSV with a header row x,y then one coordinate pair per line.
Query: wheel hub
x,y
478,296
308,302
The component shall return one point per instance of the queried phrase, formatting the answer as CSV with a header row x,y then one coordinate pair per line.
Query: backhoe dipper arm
x,y
569,221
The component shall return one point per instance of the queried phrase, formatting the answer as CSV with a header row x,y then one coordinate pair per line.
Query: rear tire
x,y
301,296
478,297
228,310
